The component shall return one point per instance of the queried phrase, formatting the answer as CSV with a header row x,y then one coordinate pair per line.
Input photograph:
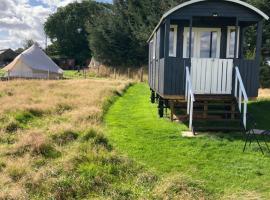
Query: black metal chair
x,y
265,135
250,135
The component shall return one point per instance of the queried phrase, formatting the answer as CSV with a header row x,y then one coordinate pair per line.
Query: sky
x,y
24,19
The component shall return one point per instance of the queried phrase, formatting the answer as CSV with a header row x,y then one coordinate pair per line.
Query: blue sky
x,y
24,19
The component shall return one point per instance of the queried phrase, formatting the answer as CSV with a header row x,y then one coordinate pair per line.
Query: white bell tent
x,y
33,63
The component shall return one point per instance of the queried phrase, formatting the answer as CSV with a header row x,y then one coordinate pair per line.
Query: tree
x,y
120,36
67,29
19,50
28,43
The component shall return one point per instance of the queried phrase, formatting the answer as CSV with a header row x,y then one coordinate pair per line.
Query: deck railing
x,y
240,92
189,97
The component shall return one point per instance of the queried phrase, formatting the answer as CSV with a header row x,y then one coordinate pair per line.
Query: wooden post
x,y
172,109
258,51
236,39
166,39
190,36
141,75
259,42
233,111
98,71
241,42
205,109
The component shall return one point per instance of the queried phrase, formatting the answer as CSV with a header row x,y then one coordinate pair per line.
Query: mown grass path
x,y
217,160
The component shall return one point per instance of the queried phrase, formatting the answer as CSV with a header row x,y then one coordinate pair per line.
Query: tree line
x,y
116,33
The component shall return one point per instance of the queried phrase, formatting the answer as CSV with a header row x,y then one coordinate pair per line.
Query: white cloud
x,y
21,19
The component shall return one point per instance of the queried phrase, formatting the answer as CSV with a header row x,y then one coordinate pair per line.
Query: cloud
x,y
24,19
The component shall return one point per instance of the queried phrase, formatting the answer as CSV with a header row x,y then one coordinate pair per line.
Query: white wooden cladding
x,y
211,75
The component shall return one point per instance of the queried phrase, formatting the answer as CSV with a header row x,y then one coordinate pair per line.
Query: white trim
x,y
197,42
151,48
154,46
174,27
228,42
197,1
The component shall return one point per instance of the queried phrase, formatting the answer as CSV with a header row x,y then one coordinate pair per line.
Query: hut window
x,y
173,41
231,42
154,46
151,49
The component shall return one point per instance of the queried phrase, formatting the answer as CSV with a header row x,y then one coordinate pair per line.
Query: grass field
x,y
74,74
52,144
2,72
211,166
57,142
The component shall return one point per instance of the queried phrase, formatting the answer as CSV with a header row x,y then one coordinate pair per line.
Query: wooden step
x,y
214,97
215,112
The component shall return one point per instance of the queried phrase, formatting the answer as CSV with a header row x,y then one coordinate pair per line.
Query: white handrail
x,y
189,96
238,93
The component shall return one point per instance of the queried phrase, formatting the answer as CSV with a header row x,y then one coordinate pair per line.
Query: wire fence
x,y
137,74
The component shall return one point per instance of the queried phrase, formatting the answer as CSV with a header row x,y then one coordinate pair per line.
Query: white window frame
x,y
154,46
197,44
151,49
174,27
228,41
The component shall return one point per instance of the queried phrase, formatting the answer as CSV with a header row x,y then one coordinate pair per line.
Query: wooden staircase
x,y
212,113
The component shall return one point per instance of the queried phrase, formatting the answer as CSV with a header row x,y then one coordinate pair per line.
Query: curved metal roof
x,y
259,12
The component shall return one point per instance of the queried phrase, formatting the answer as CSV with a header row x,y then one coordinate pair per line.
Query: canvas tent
x,y
33,63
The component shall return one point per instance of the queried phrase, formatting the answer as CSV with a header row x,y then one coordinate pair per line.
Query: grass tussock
x,y
179,187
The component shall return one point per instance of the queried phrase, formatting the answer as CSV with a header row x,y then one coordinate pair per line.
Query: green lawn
x,y
215,161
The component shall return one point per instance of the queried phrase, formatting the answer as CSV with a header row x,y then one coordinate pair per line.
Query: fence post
x,y
128,72
142,74
114,73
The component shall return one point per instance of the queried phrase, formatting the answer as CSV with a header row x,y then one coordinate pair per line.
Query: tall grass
x,y
52,144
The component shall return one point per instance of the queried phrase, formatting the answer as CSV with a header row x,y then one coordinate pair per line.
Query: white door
x,y
209,73
205,43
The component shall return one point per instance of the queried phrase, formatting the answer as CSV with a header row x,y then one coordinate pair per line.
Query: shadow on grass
x,y
259,110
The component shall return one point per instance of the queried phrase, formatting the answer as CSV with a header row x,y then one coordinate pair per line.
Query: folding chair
x,y
265,134
250,134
